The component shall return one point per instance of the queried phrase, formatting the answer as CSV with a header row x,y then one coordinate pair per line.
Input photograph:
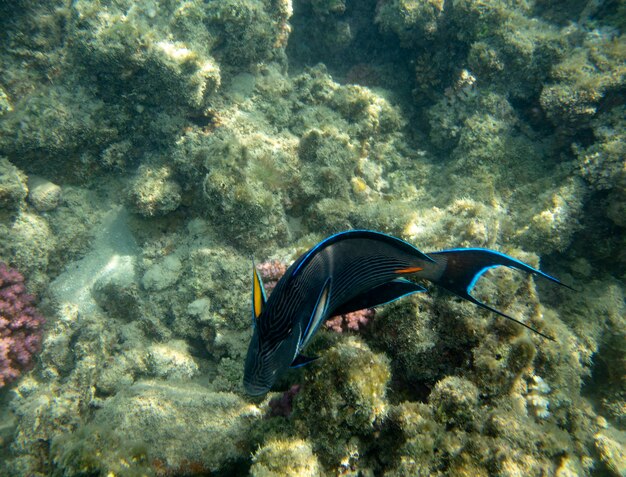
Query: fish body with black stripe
x,y
347,272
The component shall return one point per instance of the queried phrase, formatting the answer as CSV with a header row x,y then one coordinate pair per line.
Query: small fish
x,y
346,272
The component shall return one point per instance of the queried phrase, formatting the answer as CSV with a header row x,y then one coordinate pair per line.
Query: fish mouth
x,y
255,390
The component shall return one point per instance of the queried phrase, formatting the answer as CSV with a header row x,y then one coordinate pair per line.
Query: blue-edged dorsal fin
x,y
385,293
302,360
357,233
258,294
318,315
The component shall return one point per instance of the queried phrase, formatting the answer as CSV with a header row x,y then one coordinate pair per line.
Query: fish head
x,y
266,361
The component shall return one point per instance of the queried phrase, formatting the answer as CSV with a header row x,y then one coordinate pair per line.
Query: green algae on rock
x,y
345,421
132,432
154,192
286,457
13,186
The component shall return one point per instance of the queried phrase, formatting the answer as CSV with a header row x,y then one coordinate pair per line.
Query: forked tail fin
x,y
464,266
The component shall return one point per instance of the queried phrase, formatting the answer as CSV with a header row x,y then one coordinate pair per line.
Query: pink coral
x,y
350,321
270,273
283,404
21,326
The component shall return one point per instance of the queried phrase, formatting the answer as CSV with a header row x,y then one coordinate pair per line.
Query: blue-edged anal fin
x,y
380,295
463,267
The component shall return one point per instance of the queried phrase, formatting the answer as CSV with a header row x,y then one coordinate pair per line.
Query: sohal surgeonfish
x,y
346,272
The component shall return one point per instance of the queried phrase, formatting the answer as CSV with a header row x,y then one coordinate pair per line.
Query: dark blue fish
x,y
346,272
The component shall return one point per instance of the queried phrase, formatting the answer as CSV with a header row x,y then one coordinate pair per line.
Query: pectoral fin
x,y
385,293
319,314
302,360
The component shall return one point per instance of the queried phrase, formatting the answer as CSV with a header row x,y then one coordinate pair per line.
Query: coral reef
x,y
149,149
21,326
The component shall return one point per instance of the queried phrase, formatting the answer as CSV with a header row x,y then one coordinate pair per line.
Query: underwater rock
x,y
603,164
322,28
326,153
171,360
250,30
344,422
200,309
616,210
283,458
161,428
5,104
162,275
610,445
109,264
536,398
43,194
555,218
159,52
117,156
517,55
455,401
415,22
591,72
13,185
28,241
414,439
405,331
55,129
154,192
237,177
464,222
118,292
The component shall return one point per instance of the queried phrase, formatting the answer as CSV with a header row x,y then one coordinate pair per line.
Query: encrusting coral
x,y
21,326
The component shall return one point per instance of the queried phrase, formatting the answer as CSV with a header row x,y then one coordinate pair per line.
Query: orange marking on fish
x,y
409,270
